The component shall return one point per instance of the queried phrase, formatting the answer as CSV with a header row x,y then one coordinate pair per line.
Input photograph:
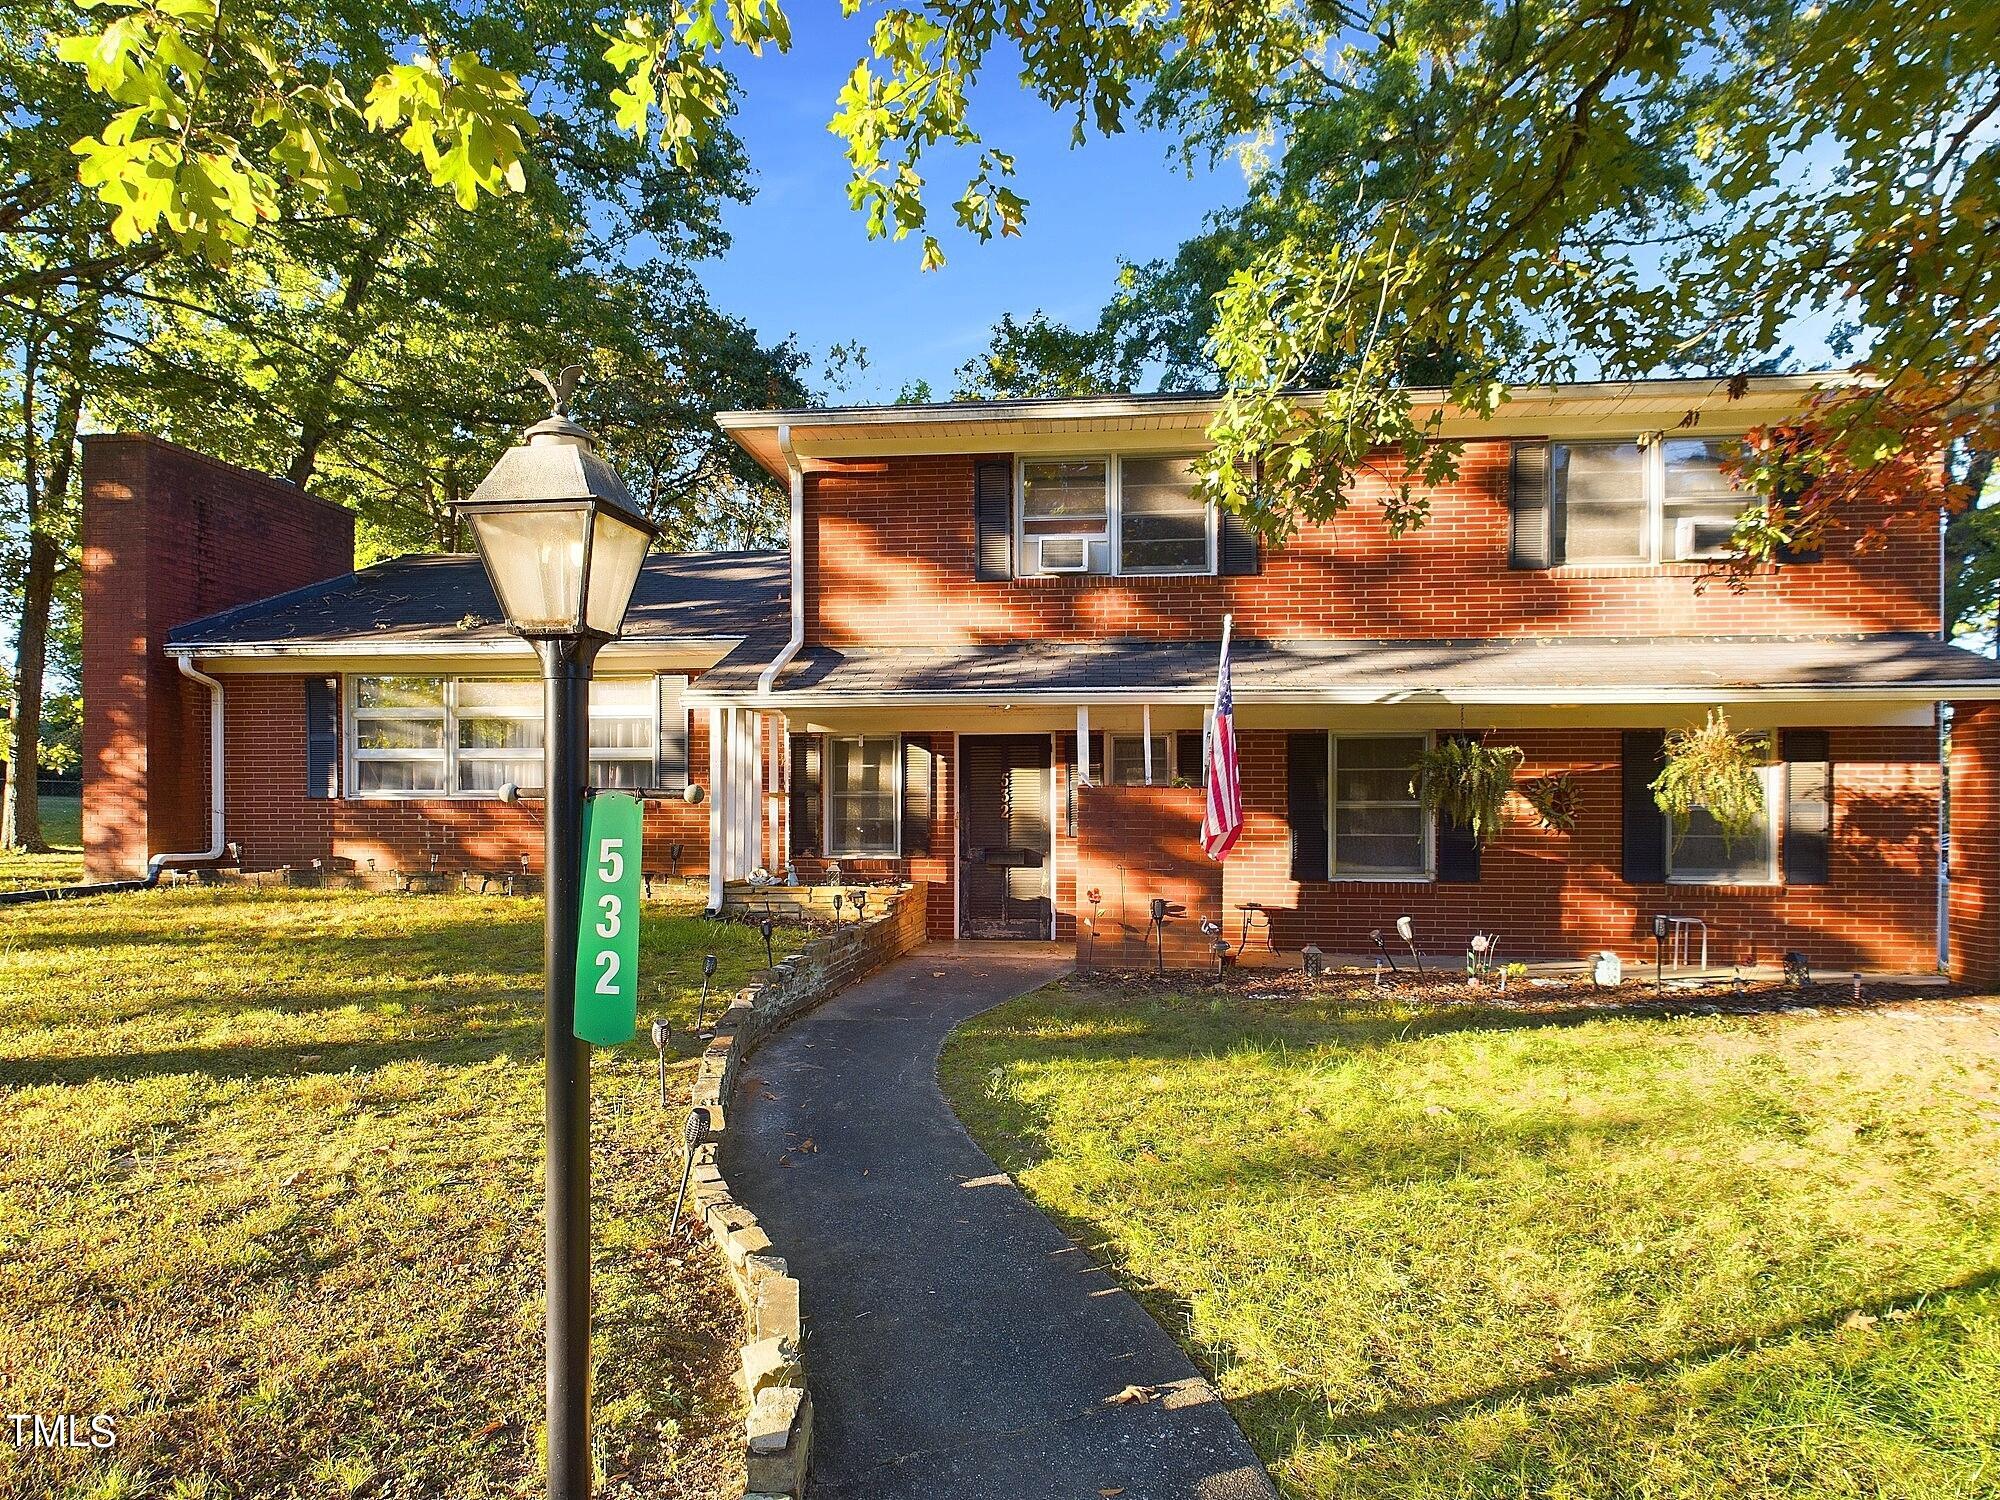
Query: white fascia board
x,y
696,651
1499,697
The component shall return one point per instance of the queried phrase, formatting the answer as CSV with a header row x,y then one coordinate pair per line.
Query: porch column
x,y
1146,739
718,789
773,794
1083,744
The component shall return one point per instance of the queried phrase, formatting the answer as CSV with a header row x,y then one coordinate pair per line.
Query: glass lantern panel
x,y
535,559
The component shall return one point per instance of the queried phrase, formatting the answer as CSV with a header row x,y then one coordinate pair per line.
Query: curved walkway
x,y
961,1346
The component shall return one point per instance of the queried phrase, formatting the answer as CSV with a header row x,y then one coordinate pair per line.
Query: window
x,y
1113,516
622,733
399,739
1639,503
1378,829
1701,856
1699,505
499,734
862,796
1162,519
1128,760
433,736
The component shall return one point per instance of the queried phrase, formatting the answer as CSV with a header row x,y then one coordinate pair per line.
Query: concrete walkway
x,y
960,1345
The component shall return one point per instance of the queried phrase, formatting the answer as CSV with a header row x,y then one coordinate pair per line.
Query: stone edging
x,y
778,1431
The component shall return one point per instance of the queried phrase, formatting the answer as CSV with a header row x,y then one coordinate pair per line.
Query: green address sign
x,y
607,947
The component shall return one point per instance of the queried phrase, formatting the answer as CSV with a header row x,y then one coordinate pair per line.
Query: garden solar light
x,y
1382,952
766,925
562,543
1660,954
860,900
1164,911
1407,931
1313,962
839,901
1857,986
693,1133
1797,971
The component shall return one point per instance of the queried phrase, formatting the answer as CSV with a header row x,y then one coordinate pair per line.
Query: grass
x,y
1471,1254
62,827
270,1197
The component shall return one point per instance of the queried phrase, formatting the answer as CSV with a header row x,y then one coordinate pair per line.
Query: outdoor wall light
x,y
562,543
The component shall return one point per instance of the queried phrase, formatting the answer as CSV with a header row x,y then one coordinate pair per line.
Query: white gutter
x,y
217,847
797,542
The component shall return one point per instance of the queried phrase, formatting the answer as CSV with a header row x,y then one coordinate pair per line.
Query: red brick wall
x,y
1551,895
889,555
170,536
270,815
1135,843
1975,843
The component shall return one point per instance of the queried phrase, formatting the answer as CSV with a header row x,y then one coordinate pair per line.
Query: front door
x,y
1003,836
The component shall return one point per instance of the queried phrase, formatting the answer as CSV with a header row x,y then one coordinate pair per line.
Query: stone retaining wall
x,y
778,1431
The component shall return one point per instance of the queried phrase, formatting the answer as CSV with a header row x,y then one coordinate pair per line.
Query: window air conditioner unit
x,y
1063,554
1698,537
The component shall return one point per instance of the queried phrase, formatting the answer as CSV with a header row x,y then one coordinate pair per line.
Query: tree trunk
x,y
20,806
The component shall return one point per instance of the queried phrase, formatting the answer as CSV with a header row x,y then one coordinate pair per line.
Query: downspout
x,y
159,862
769,675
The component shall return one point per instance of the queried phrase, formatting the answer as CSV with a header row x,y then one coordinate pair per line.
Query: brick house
x,y
985,662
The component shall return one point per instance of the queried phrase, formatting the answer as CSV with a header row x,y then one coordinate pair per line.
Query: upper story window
x,y
1641,503
447,736
1119,515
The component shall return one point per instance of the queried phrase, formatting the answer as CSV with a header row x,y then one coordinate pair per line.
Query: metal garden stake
x,y
701,1005
660,1046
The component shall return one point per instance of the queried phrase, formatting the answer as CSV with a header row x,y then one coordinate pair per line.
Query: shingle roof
x,y
446,599
1532,668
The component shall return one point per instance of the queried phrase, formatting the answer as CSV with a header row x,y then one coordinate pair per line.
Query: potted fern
x,y
1466,782
1715,770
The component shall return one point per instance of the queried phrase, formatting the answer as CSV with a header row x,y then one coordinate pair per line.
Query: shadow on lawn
x,y
1313,1418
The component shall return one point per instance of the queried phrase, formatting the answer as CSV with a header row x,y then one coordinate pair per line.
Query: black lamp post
x,y
562,542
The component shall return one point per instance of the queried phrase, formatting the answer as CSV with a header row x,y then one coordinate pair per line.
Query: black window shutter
x,y
673,752
1188,763
322,737
805,796
1533,543
1642,756
993,517
919,793
1457,849
1305,802
1808,838
1242,557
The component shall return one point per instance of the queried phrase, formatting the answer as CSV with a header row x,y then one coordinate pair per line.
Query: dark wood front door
x,y
1003,836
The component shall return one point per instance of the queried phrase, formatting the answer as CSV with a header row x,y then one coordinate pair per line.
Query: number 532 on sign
x,y
607,948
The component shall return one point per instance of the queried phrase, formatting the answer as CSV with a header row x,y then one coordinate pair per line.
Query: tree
x,y
1511,192
369,343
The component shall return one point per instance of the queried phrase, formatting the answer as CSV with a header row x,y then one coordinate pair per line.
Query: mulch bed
x,y
1533,995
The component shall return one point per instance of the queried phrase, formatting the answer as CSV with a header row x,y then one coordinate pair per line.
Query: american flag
x,y
1222,812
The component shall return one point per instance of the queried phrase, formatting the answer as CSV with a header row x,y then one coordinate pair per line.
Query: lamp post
x,y
562,542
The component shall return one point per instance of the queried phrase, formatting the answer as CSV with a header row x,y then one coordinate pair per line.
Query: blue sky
x,y
802,263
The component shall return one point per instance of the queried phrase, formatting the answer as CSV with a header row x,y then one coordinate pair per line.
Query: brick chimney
x,y
170,536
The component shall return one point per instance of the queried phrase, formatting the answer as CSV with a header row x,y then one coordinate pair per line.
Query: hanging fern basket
x,y
1467,782
1714,770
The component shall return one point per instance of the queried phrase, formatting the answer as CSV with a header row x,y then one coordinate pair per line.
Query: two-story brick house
x,y
985,658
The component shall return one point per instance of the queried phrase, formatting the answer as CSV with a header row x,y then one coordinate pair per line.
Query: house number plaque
x,y
607,947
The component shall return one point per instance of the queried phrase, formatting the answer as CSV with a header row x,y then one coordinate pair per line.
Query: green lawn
x,y
1485,1254
62,827
270,1196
